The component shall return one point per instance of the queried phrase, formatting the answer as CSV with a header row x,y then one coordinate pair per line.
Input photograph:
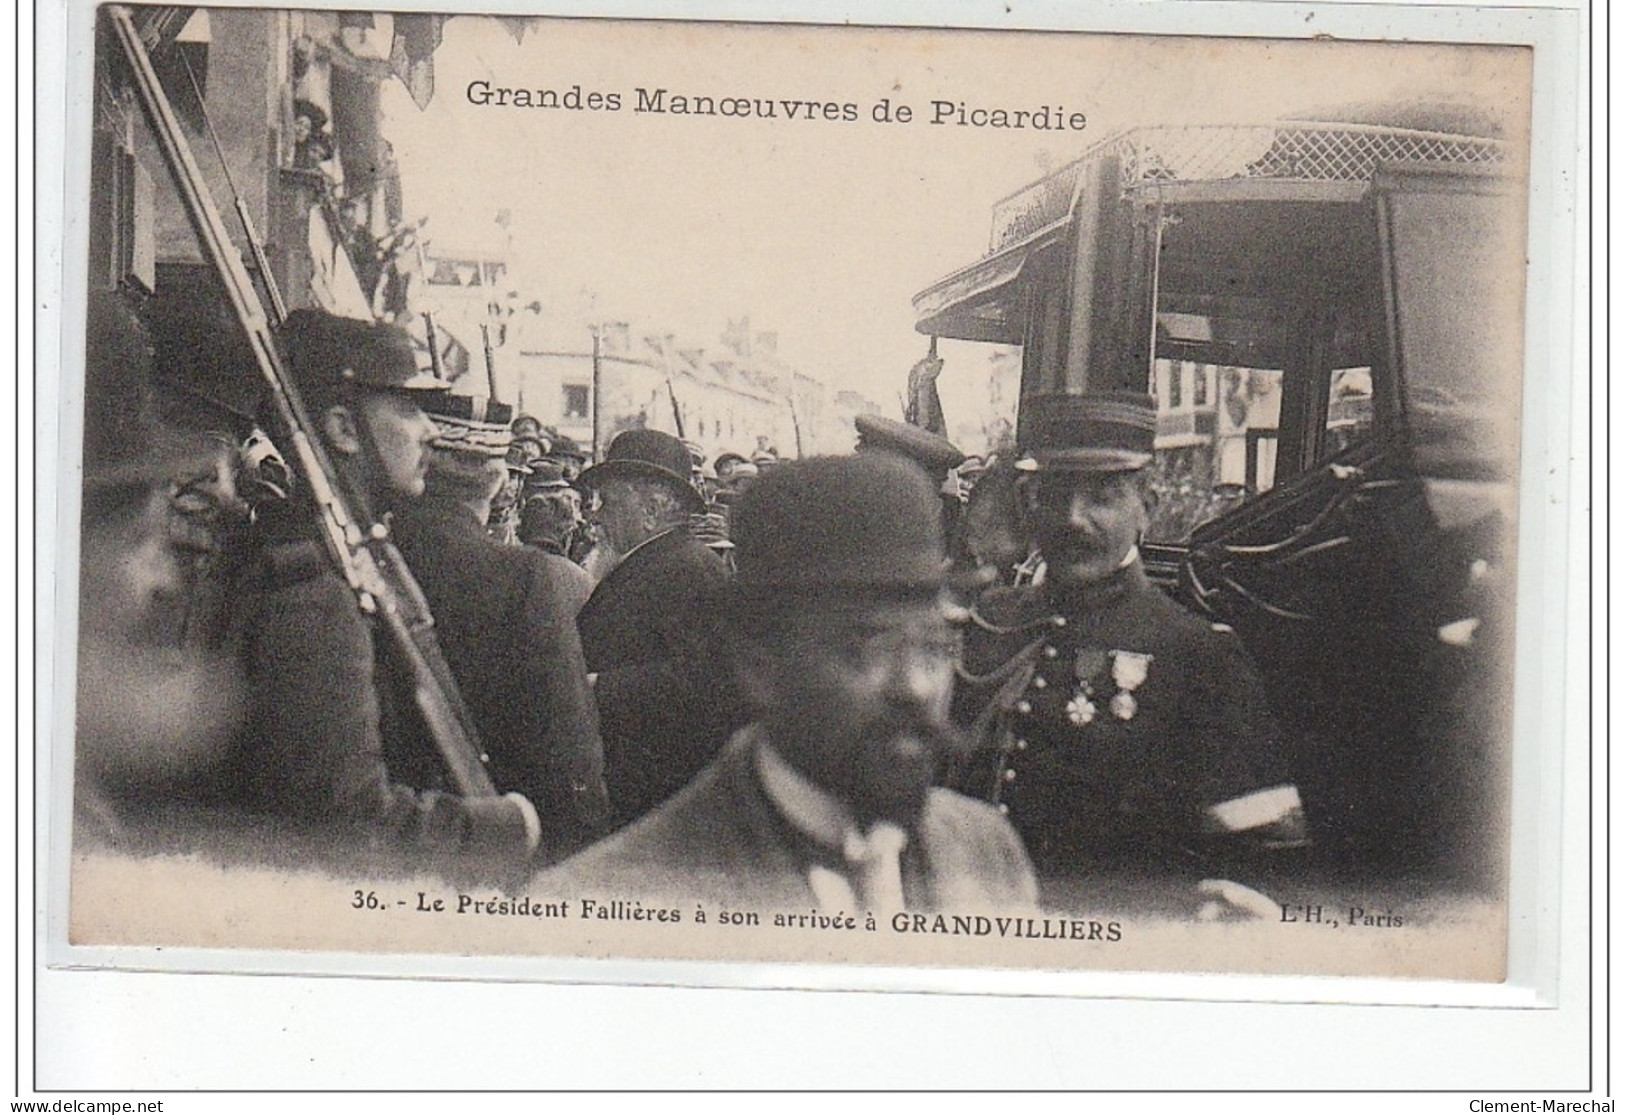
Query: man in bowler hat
x,y
1122,735
828,798
650,627
332,726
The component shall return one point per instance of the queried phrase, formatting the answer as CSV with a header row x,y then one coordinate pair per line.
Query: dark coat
x,y
506,623
666,701
722,840
1109,723
323,700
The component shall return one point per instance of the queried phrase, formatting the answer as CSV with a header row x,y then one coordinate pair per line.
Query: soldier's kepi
x,y
1119,732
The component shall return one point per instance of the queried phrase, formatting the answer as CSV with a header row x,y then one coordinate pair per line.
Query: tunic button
x,y
1004,807
1009,774
1058,621
1040,683
1024,707
1021,745
1050,652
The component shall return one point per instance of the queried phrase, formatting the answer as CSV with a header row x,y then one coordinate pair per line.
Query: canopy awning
x,y
974,303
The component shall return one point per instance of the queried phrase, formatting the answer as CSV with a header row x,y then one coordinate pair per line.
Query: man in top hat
x,y
650,625
827,797
332,725
1121,734
506,622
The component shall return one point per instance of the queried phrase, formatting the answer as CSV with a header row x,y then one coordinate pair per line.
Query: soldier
x,y
1120,733
327,701
506,620
934,453
842,649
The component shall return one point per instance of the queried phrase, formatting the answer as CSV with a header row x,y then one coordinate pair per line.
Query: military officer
x,y
1119,732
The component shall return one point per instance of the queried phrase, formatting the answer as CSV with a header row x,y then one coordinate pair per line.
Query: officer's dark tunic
x,y
1110,722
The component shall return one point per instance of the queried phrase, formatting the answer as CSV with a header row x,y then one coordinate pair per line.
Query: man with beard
x,y
842,651
1121,735
650,628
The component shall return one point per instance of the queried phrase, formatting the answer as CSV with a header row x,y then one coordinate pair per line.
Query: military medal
x,y
1080,710
1129,670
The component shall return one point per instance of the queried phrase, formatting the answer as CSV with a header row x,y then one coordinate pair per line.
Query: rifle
x,y
676,411
369,562
490,361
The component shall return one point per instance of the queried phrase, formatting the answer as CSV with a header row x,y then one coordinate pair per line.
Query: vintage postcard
x,y
745,492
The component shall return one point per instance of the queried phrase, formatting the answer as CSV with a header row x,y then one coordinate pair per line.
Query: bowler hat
x,y
651,454
865,524
933,452
329,354
470,424
1101,431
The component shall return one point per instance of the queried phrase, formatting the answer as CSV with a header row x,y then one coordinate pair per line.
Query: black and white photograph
x,y
638,489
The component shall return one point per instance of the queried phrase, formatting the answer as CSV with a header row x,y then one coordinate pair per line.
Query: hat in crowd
x,y
126,443
864,524
932,452
470,424
1102,431
651,454
526,425
728,459
564,445
711,528
329,355
546,473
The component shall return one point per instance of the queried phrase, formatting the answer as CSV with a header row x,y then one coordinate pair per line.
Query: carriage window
x,y
1349,410
1217,431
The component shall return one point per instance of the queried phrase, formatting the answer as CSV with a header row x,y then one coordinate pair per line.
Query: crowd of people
x,y
895,679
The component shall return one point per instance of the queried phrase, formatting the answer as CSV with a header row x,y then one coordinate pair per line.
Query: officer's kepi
x,y
1101,431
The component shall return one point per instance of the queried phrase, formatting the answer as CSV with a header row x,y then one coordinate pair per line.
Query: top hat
x,y
652,454
470,424
858,525
933,452
328,354
1102,431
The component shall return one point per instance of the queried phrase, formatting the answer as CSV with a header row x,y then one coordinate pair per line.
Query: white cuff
x,y
1254,810
533,823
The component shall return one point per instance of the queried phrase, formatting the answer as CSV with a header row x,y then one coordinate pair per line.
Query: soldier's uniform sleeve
x,y
320,757
1242,782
